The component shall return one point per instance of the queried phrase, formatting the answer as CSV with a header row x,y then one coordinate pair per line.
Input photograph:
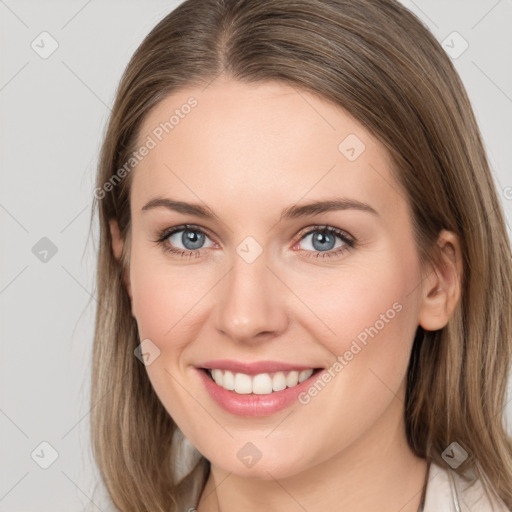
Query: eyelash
x,y
164,235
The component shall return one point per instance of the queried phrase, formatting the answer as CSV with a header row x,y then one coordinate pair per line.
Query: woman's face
x,y
259,280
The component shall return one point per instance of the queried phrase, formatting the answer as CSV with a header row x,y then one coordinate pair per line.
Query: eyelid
x,y
166,233
349,242
326,227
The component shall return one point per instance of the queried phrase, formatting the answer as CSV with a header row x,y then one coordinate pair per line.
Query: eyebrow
x,y
291,212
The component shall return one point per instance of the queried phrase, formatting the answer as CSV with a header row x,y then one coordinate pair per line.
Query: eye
x,y
188,240
322,241
190,237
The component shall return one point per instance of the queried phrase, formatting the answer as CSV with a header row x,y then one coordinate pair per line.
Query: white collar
x,y
447,491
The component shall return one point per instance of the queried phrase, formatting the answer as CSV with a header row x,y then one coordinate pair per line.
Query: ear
x,y
441,288
117,249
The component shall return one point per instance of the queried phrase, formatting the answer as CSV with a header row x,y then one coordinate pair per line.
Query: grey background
x,y
53,115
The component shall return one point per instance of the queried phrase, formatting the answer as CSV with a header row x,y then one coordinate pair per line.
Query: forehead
x,y
266,143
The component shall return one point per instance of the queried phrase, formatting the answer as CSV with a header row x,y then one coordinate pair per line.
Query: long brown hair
x,y
375,59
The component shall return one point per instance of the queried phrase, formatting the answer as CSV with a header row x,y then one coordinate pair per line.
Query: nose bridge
x,y
251,302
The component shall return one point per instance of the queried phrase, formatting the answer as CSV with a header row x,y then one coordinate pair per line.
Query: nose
x,y
251,304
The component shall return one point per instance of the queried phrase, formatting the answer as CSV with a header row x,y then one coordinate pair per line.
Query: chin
x,y
275,465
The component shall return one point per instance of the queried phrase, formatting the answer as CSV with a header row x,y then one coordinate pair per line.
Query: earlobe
x,y
117,242
441,289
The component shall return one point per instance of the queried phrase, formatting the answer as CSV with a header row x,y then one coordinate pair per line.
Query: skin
x,y
346,449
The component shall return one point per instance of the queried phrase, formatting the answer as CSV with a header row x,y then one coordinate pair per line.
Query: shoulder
x,y
447,491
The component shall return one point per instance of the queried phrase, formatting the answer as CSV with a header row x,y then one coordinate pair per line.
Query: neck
x,y
378,471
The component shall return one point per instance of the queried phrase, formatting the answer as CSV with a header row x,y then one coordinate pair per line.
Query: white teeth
x,y
261,384
217,376
279,381
228,381
243,384
305,374
292,379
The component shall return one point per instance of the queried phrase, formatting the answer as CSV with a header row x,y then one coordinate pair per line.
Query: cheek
x,y
154,305
163,296
163,307
367,314
345,302
374,317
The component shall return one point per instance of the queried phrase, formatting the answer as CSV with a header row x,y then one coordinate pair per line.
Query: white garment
x,y
447,491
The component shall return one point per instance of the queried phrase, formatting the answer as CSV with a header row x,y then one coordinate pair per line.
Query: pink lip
x,y
252,368
253,404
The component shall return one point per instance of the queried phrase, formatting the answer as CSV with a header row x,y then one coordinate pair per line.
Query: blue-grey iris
x,y
322,237
195,238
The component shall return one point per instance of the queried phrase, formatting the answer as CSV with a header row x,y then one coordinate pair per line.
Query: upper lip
x,y
252,368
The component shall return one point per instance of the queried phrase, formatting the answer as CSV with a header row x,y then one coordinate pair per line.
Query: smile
x,y
255,389
260,384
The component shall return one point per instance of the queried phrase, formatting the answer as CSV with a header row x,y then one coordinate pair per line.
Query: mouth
x,y
261,383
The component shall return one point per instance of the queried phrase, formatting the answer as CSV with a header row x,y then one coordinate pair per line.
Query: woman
x,y
257,149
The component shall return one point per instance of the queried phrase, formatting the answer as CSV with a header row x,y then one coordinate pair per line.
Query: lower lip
x,y
253,404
